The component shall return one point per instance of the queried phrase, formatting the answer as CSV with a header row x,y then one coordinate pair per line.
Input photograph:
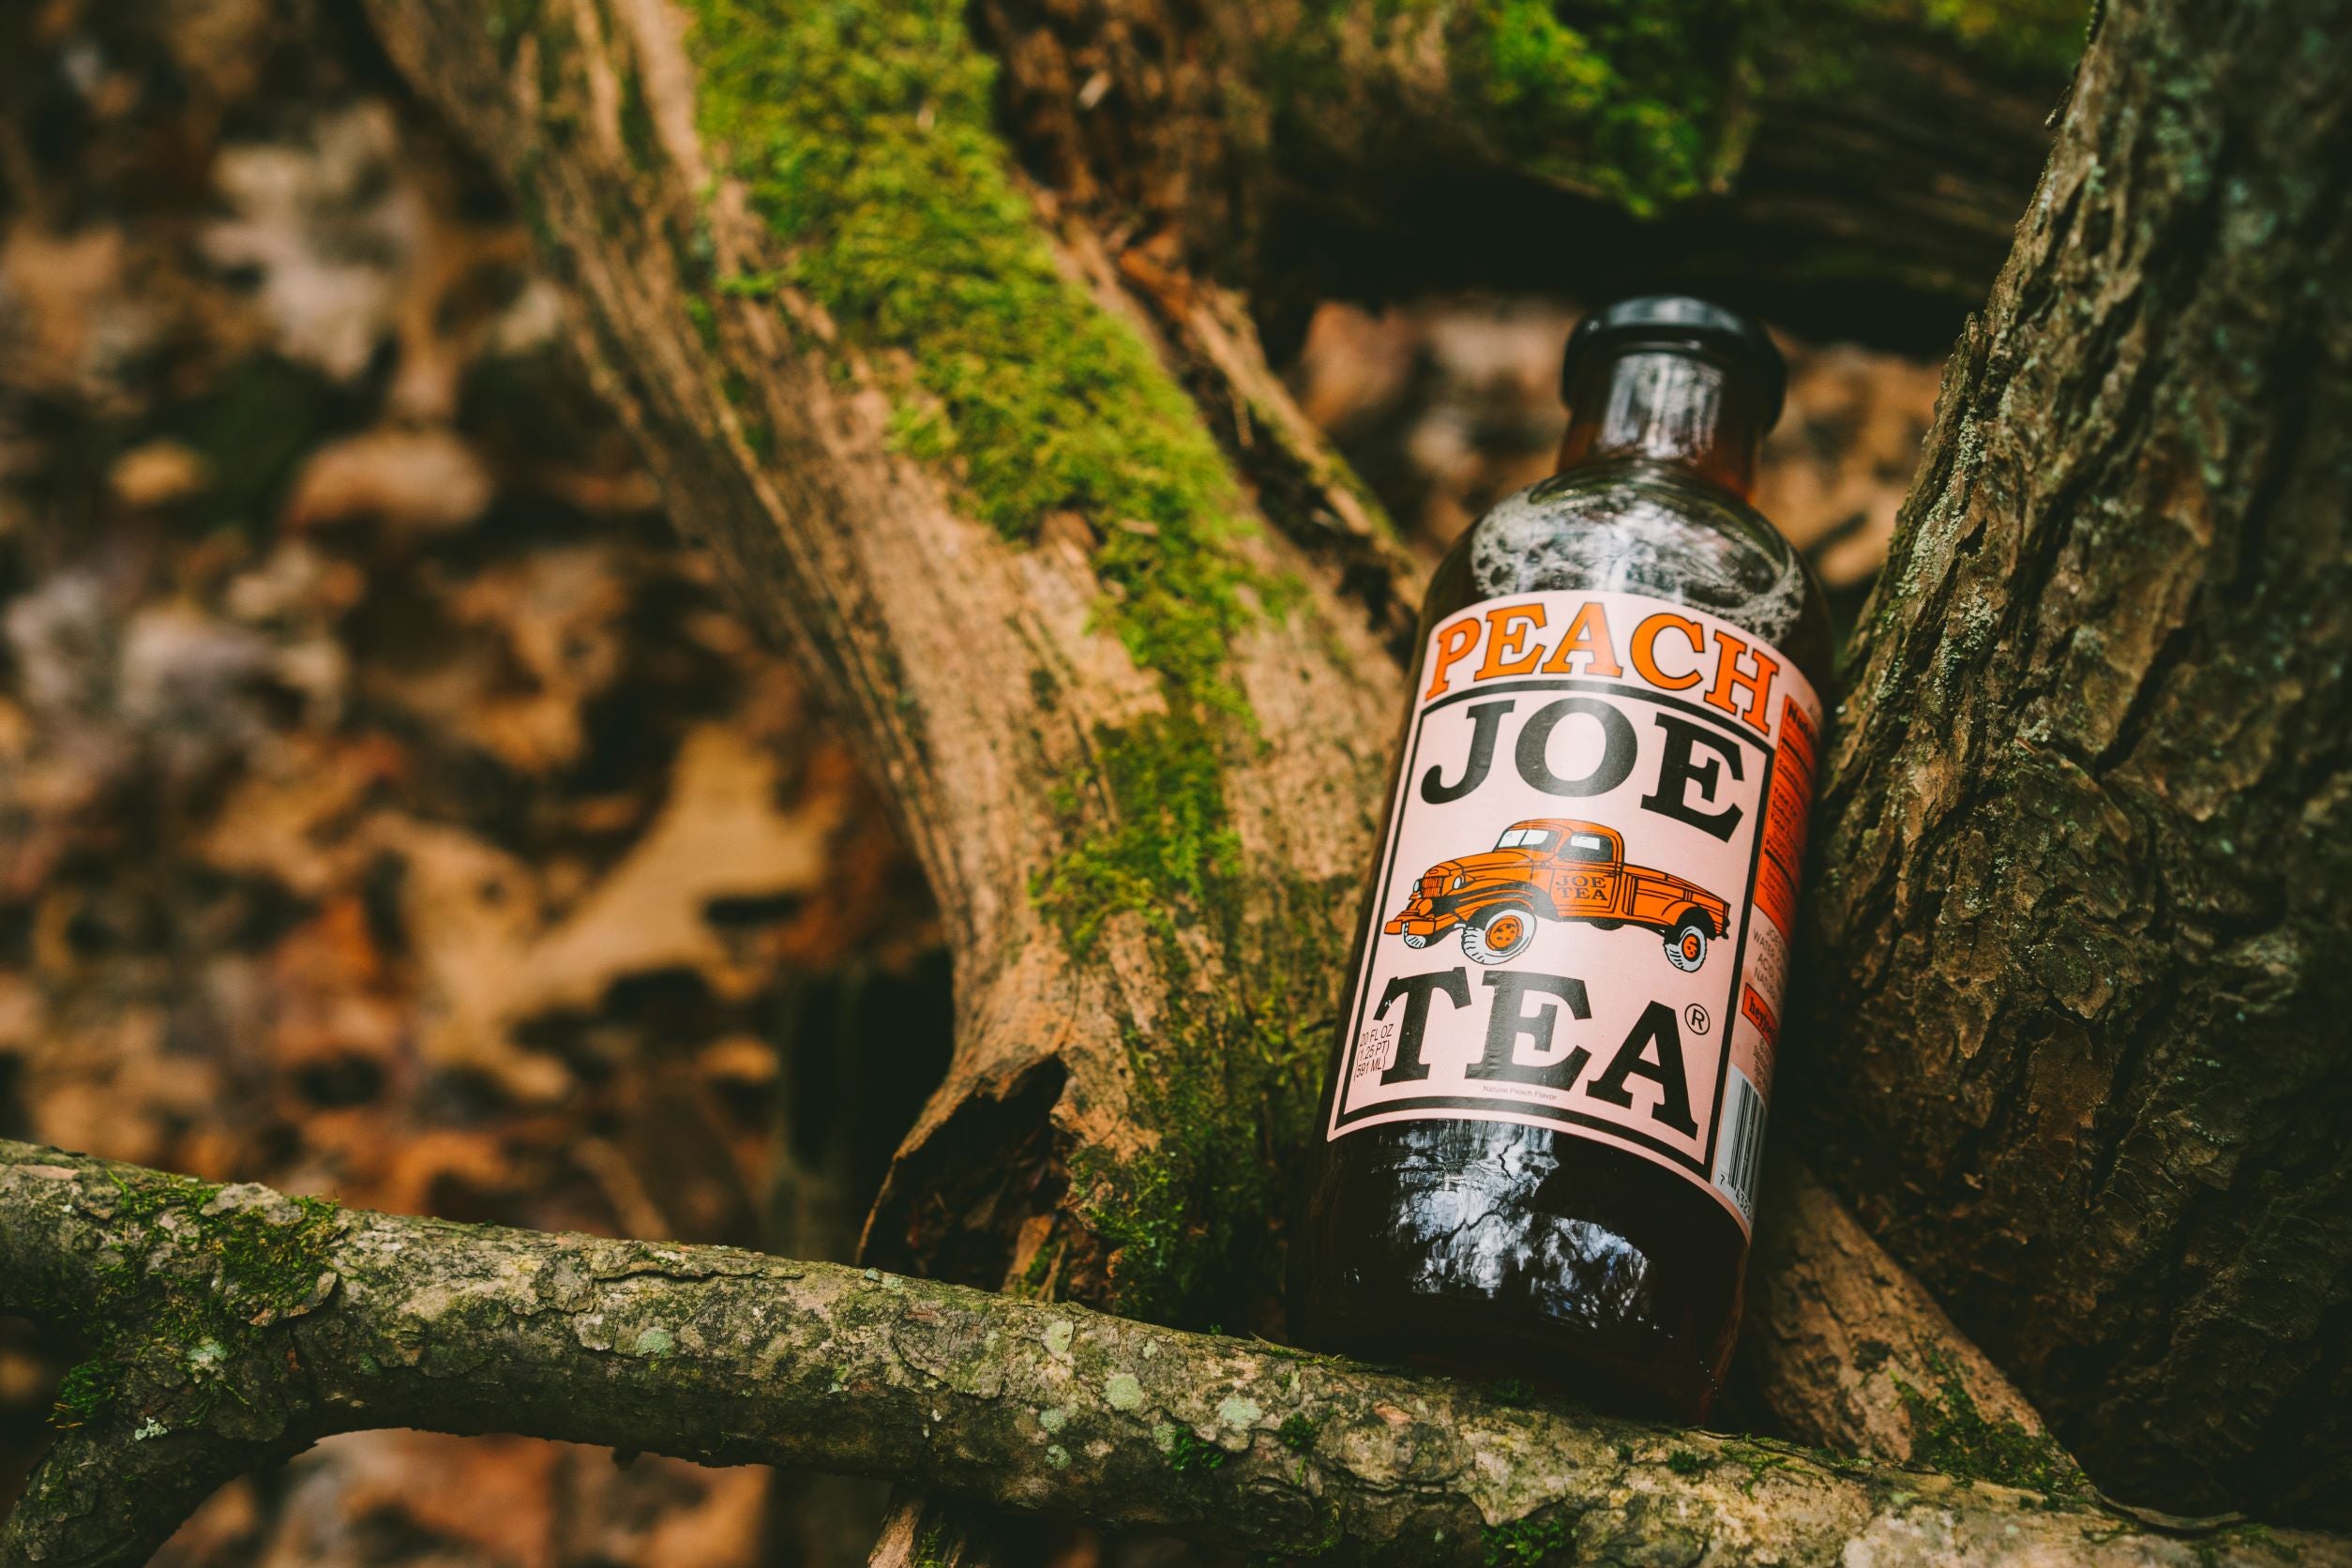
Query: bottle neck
x,y
1668,406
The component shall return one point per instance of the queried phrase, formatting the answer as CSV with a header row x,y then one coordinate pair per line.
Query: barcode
x,y
1740,1149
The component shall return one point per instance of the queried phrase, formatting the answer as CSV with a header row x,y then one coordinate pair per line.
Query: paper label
x,y
1589,888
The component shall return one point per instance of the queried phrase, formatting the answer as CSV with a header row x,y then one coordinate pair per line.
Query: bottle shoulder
x,y
1638,528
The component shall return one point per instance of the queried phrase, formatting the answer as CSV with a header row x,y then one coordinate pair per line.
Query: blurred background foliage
x,y
391,807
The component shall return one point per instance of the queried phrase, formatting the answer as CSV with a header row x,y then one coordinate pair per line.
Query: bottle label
x,y
1589,888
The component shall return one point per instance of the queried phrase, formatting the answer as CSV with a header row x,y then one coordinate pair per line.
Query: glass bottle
x,y
1470,1202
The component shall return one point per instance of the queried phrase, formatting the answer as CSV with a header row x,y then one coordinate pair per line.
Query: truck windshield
x,y
1588,846
1527,839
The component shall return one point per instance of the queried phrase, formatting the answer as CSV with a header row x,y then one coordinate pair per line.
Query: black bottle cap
x,y
1678,321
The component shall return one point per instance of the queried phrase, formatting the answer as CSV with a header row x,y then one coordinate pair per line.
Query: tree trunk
x,y
2076,948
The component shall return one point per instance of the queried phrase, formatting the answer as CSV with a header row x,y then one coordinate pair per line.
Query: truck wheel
x,y
1415,941
1499,934
1686,944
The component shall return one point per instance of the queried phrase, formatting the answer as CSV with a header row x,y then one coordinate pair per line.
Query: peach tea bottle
x,y
1537,1155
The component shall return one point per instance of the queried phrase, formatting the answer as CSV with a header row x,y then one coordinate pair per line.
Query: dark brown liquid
x,y
1508,1250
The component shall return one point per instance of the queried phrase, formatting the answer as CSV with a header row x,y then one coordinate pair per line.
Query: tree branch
x,y
729,1357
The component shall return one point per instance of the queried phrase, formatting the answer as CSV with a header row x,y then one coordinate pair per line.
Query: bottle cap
x,y
1678,321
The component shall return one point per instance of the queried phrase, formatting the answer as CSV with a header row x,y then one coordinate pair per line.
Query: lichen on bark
x,y
193,1272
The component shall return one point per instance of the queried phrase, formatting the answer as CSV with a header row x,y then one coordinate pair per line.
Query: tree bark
x,y
2077,943
309,1320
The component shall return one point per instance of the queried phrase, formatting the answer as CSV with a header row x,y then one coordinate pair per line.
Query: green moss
x,y
1227,1081
1167,852
1634,100
1641,90
1760,1461
1683,1462
218,1282
1188,1453
1950,1434
2038,39
1808,48
1526,1541
1224,1084
1158,1229
1644,102
863,132
2233,1543
1297,1432
83,1394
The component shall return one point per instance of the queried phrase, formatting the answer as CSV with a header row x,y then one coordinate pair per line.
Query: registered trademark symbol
x,y
1696,1017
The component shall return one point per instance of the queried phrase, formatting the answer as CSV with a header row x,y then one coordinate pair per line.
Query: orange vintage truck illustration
x,y
1555,868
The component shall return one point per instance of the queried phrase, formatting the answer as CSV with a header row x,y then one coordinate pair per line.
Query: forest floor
x,y
392,806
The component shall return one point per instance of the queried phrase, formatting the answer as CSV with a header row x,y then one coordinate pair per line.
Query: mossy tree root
x,y
361,1321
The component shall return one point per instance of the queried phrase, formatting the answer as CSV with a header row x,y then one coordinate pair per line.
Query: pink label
x,y
1587,896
